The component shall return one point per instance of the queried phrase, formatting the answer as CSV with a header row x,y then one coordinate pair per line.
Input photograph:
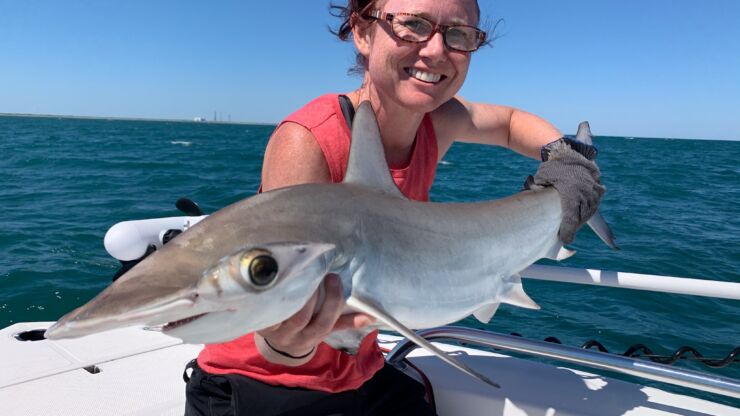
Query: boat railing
x,y
623,280
594,359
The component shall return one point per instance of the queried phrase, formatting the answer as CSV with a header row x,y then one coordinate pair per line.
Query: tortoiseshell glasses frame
x,y
414,28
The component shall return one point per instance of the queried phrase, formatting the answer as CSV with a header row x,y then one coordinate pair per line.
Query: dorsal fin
x,y
367,165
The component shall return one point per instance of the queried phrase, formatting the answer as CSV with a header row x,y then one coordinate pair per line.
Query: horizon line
x,y
204,121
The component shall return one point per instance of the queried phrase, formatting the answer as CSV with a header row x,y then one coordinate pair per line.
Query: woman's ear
x,y
361,35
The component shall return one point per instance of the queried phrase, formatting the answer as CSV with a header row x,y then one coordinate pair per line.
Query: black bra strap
x,y
348,111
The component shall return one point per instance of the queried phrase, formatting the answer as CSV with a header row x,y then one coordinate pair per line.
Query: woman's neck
x,y
397,125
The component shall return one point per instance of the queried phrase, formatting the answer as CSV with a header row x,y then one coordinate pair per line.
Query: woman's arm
x,y
520,131
293,157
572,172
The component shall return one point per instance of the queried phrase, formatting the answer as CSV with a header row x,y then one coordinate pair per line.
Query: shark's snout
x,y
96,316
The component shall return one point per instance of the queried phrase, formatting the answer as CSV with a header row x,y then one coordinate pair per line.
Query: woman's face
x,y
418,76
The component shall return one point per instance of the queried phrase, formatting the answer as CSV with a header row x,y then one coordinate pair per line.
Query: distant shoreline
x,y
171,120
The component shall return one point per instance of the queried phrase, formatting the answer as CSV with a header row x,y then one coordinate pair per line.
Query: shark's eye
x,y
263,270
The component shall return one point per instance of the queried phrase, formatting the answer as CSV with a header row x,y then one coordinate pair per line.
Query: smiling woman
x,y
414,57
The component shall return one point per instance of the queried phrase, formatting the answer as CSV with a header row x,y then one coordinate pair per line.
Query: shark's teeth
x,y
424,76
181,322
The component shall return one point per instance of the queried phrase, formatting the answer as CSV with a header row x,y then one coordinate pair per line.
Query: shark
x,y
409,264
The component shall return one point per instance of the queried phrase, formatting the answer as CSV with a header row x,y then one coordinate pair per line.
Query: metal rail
x,y
654,283
617,363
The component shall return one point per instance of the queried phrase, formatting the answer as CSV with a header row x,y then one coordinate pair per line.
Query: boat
x,y
138,371
134,371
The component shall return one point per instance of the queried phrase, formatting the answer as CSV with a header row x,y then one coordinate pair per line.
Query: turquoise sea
x,y
673,204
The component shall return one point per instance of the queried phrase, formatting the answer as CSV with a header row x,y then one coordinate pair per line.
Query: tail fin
x,y
584,133
596,222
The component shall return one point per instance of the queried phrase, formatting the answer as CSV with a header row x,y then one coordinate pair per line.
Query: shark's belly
x,y
435,267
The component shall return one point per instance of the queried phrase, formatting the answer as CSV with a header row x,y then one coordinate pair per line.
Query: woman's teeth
x,y
424,76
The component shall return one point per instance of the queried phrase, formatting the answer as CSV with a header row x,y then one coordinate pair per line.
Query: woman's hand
x,y
569,167
293,342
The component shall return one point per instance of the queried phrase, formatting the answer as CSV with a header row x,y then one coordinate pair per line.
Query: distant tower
x,y
214,116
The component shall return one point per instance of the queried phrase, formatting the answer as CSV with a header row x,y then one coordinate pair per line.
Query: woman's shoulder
x,y
316,111
313,141
452,111
451,120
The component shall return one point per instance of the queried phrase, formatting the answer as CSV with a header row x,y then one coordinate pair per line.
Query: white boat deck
x,y
140,373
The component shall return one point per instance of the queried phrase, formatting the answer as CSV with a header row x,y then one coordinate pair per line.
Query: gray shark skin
x,y
410,264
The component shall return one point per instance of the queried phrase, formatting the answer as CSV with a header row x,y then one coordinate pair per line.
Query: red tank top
x,y
330,370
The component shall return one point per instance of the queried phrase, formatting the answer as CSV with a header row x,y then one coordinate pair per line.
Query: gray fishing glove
x,y
568,166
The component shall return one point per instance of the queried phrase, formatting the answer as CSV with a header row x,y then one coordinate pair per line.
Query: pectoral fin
x,y
379,314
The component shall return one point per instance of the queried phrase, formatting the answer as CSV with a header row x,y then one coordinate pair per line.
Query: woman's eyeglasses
x,y
413,28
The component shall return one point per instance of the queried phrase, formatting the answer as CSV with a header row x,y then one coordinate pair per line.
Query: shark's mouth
x,y
175,324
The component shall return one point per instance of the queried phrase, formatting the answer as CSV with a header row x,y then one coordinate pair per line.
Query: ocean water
x,y
673,204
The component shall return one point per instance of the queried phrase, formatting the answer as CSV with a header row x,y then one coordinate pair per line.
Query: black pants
x,y
389,392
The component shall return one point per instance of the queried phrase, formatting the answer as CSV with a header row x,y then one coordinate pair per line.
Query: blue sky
x,y
651,68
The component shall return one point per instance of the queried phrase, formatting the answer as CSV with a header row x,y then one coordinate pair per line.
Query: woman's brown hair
x,y
354,10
